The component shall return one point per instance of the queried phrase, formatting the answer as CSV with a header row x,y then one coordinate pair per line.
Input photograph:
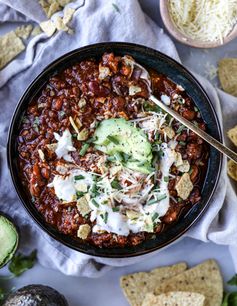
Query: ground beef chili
x,y
80,91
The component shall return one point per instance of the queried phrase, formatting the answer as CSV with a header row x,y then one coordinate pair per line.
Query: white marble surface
x,y
105,291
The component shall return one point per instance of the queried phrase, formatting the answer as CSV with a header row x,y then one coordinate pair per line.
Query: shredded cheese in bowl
x,y
204,20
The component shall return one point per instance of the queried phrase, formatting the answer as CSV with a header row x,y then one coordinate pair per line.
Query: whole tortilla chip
x,y
205,279
178,298
10,46
227,72
232,169
232,134
136,286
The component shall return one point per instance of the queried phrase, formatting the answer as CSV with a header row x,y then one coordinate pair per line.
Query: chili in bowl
x,y
100,167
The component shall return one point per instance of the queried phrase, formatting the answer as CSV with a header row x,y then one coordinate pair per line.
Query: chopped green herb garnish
x,y
154,216
161,197
113,139
160,153
92,139
118,156
115,184
151,202
36,121
78,177
179,200
61,114
126,157
94,191
179,130
116,8
36,124
96,204
196,109
84,149
182,143
25,120
166,179
106,217
181,100
115,209
111,158
79,194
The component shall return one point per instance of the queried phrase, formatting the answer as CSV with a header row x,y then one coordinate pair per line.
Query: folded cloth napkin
x,y
97,21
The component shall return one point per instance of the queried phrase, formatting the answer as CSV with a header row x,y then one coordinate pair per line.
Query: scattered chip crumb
x,y
48,27
232,134
232,169
83,206
60,26
10,46
36,31
82,187
64,2
184,186
83,231
24,31
184,167
67,16
227,72
52,6
178,159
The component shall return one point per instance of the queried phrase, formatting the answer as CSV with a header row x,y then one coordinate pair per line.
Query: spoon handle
x,y
212,141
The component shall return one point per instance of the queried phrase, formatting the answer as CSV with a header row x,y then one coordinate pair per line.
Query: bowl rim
x,y
104,252
179,36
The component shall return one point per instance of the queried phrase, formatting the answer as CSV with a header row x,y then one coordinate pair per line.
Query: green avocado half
x,y
120,136
8,240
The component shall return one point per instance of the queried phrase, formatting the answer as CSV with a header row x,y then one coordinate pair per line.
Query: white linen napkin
x,y
98,21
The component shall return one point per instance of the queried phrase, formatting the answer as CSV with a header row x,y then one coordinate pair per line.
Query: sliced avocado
x,y
35,295
8,240
138,166
118,135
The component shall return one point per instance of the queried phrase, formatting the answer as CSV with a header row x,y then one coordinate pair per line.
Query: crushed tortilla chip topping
x,y
10,46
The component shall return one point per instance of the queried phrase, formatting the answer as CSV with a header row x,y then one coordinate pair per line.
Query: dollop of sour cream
x,y
103,214
64,145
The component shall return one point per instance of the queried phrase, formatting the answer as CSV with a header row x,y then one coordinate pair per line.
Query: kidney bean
x,y
118,103
194,173
189,114
194,151
57,104
45,173
170,217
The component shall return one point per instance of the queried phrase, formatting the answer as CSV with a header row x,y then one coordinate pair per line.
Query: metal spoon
x,y
209,139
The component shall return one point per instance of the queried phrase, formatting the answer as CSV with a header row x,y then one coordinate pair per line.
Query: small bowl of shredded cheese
x,y
202,23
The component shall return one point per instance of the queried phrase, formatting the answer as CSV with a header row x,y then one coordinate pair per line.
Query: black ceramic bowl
x,y
150,59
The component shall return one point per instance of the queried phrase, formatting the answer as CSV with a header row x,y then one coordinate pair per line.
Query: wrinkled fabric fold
x,y
130,25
